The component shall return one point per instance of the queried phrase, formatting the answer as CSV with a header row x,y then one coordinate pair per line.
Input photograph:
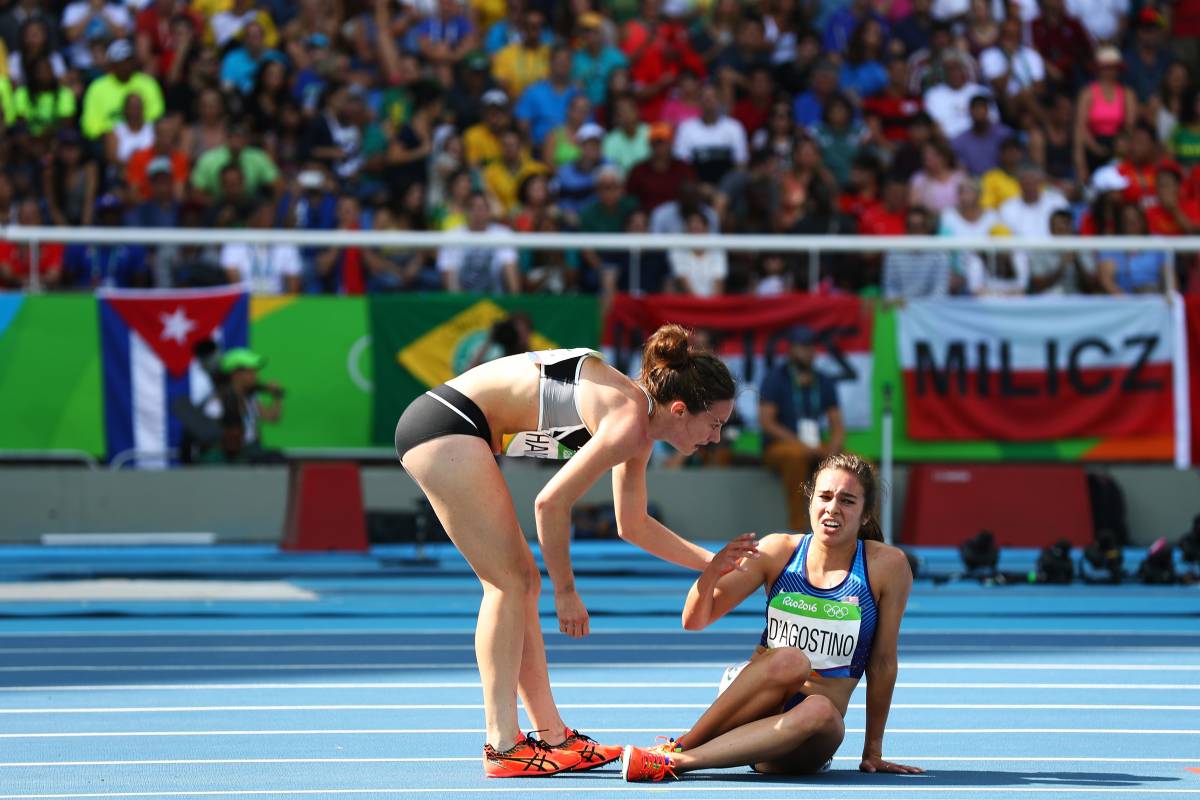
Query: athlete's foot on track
x,y
645,765
591,753
529,758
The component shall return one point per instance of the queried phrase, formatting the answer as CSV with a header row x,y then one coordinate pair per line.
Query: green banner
x,y
50,396
420,341
318,350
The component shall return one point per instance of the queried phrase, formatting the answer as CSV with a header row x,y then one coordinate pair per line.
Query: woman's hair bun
x,y
668,347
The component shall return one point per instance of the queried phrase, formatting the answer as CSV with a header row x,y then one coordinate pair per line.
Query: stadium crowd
x,y
965,117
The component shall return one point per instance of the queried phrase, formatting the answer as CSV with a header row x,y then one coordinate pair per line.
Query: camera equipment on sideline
x,y
1103,560
1159,565
1189,545
980,555
1054,565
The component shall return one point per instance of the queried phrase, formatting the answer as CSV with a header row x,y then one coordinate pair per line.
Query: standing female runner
x,y
834,602
559,404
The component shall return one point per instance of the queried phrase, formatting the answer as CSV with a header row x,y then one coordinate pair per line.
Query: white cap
x,y
589,130
119,50
310,179
495,97
1109,179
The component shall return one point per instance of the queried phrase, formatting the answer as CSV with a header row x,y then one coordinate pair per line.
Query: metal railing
x,y
814,246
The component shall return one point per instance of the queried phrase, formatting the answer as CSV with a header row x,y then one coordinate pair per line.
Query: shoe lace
x,y
665,744
574,734
536,742
658,763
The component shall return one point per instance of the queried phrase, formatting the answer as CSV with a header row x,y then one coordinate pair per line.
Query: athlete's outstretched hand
x,y
572,615
733,556
877,764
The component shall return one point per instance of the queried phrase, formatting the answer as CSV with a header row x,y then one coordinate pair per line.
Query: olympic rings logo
x,y
838,612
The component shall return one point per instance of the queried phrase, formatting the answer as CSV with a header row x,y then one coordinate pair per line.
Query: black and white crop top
x,y
561,430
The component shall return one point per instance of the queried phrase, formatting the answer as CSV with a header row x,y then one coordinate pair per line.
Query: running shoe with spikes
x,y
592,754
666,744
638,764
528,758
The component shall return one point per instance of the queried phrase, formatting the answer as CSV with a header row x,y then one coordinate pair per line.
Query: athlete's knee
x,y
516,582
533,589
787,666
824,715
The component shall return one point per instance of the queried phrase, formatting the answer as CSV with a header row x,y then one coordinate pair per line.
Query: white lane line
x,y
672,665
474,759
417,685
476,731
564,789
605,632
577,706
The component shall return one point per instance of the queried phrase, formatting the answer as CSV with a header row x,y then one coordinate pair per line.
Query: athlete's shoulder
x,y
886,562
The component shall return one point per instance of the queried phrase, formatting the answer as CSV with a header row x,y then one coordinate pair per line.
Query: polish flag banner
x,y
1045,368
146,342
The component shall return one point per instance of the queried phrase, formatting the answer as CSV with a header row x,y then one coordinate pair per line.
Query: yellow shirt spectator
x,y
515,67
503,182
481,145
488,12
996,187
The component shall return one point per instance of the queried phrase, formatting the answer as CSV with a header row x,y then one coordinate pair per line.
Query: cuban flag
x,y
146,344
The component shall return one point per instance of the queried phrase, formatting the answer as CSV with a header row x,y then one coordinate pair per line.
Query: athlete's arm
x,y
890,569
723,585
636,526
615,436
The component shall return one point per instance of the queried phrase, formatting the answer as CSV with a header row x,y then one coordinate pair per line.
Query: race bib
x,y
826,630
558,444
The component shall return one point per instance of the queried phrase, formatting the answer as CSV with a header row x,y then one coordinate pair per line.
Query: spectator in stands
x,y
1140,168
808,105
840,26
839,136
915,29
1015,72
335,137
734,66
85,22
166,146
712,143
910,155
16,260
109,265
608,213
503,177
444,38
862,73
1147,60
671,217
242,64
536,203
1027,215
156,41
542,106
1052,144
801,420
755,107
258,172
1166,105
635,270
70,181
1062,272
1171,214
131,134
481,141
1134,271
518,65
1105,20
968,219
894,105
577,179
628,143
890,216
1000,184
210,127
17,17
407,153
949,103
343,270
655,181
105,97
682,102
550,271
935,185
561,144
1063,44
592,64
914,274
978,147
261,268
466,269
1104,109
1000,274
43,103
234,202
659,52
698,272
162,194
393,269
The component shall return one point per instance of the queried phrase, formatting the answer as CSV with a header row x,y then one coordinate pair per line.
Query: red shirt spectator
x,y
658,52
1062,42
1171,215
161,28
895,105
754,110
16,259
890,217
657,179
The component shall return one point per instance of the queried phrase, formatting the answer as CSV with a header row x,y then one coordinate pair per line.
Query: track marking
x,y
606,632
475,759
577,706
182,687
478,731
674,789
672,665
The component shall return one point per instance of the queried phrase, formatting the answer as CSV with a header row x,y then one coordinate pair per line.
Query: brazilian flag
x,y
422,340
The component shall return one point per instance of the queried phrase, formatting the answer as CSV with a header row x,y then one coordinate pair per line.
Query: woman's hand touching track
x,y
572,615
877,764
733,556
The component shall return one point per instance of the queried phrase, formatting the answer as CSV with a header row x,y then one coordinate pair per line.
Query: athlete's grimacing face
x,y
836,510
691,431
